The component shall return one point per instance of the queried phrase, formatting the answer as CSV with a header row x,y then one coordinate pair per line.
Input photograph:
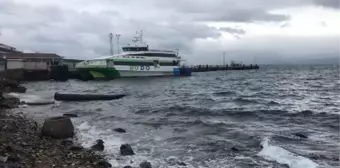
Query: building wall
x,y
21,64
12,64
2,65
15,64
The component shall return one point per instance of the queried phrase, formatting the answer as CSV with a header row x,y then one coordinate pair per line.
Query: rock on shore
x,y
8,85
7,101
21,145
58,127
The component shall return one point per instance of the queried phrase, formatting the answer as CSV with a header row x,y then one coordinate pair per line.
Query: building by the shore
x,y
26,66
29,61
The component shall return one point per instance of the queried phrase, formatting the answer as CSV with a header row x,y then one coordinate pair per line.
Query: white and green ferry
x,y
135,61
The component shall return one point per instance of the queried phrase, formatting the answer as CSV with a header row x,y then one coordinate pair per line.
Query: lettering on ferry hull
x,y
139,68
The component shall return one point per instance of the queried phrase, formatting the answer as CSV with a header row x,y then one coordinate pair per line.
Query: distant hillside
x,y
331,60
299,60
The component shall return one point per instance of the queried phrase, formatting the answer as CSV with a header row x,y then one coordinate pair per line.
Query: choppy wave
x,y
244,101
225,93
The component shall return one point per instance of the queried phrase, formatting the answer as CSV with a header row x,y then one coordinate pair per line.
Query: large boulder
x,y
8,85
9,82
58,127
126,150
103,164
99,146
145,164
7,101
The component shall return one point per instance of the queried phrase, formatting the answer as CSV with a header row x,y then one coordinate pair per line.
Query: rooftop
x,y
31,56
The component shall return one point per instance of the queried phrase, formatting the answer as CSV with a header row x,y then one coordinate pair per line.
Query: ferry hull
x,y
112,73
144,74
98,73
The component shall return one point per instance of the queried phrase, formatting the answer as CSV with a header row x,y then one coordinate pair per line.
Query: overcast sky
x,y
261,31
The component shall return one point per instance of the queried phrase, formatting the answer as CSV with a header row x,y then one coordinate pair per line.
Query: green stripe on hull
x,y
98,73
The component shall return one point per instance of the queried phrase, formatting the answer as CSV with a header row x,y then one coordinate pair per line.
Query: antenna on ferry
x,y
118,36
141,36
111,44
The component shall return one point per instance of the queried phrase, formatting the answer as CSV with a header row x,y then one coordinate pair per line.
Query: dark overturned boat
x,y
86,97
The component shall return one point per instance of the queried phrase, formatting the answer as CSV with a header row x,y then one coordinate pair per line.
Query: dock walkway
x,y
205,68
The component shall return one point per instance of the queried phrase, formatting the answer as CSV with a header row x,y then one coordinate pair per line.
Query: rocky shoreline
x,y
26,144
22,145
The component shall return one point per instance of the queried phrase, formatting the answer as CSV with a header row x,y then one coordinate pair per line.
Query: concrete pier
x,y
205,68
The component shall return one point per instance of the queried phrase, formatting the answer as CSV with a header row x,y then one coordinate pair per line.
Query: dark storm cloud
x,y
225,10
174,35
232,30
69,32
328,3
242,16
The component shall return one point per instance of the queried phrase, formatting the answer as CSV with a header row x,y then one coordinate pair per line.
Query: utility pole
x,y
5,63
223,58
111,44
118,36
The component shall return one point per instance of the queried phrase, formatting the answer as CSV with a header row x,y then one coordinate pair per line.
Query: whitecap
x,y
283,156
29,97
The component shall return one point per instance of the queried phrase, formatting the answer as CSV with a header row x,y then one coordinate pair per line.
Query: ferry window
x,y
166,64
133,63
156,63
174,63
135,49
156,55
